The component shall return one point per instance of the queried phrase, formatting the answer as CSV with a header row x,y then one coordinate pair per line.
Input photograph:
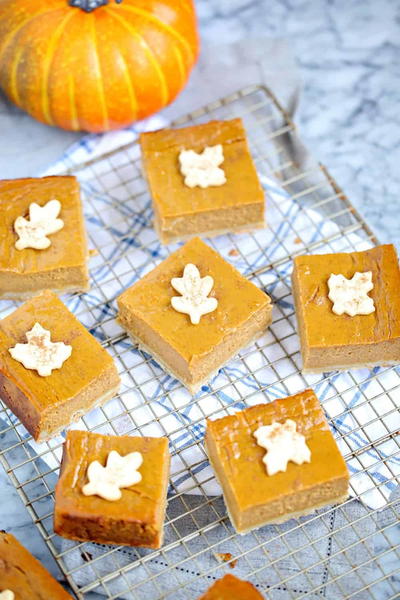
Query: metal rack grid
x,y
347,551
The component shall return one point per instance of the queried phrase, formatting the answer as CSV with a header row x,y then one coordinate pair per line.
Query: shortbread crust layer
x,y
196,386
166,238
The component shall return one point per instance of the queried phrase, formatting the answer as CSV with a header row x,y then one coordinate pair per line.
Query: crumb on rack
x,y
233,252
93,252
227,558
298,240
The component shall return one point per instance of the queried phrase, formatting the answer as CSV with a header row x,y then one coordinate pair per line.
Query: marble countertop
x,y
347,55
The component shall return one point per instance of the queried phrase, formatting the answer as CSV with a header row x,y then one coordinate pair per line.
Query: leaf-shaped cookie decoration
x,y
43,221
202,169
7,595
283,444
194,292
119,472
350,296
40,353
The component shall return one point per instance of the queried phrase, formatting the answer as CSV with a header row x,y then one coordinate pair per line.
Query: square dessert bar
x,y
62,265
180,211
23,575
136,517
252,496
193,353
331,341
46,404
230,587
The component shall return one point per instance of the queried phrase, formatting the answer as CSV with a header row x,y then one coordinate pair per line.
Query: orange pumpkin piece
x,y
230,587
98,70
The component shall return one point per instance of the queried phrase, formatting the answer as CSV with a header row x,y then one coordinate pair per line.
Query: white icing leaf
x,y
202,169
194,290
7,595
42,222
283,444
119,472
40,353
350,296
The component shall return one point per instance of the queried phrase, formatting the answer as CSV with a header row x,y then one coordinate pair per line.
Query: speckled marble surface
x,y
348,58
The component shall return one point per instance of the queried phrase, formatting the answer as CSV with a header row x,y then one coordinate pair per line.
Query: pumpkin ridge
x,y
14,93
127,77
71,96
188,6
129,84
100,78
14,32
151,57
161,24
179,60
46,71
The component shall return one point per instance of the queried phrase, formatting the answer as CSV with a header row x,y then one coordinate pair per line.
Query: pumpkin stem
x,y
89,5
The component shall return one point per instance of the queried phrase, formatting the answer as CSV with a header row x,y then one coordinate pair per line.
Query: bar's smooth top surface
x,y
140,503
173,198
68,246
322,327
22,573
150,300
87,361
230,587
240,457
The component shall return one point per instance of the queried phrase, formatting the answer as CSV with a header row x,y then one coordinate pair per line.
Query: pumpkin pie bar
x,y
52,370
276,461
112,489
22,576
193,335
230,587
202,180
348,309
42,237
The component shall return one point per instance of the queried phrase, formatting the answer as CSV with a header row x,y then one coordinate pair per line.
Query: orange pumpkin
x,y
95,70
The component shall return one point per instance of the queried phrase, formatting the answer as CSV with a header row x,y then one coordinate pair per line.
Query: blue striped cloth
x,y
356,423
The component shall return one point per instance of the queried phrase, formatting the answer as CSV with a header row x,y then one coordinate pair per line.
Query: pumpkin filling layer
x,y
230,587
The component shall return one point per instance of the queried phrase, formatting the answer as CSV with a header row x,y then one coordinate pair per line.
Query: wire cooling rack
x,y
349,551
